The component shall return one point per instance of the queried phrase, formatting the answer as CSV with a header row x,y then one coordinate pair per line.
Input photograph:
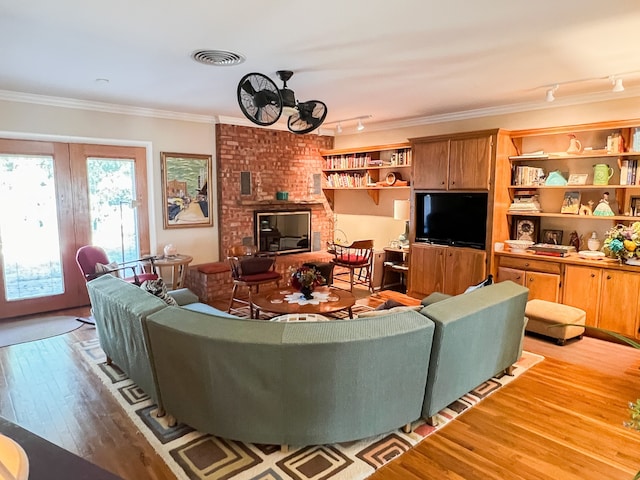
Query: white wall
x,y
379,223
55,123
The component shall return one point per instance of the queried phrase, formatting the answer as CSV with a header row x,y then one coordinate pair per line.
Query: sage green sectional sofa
x,y
303,383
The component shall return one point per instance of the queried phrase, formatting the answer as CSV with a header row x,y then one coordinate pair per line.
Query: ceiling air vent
x,y
220,58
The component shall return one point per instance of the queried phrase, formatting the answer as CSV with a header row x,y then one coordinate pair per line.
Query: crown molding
x,y
64,102
503,110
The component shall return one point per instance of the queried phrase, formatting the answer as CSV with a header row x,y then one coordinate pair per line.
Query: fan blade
x,y
247,87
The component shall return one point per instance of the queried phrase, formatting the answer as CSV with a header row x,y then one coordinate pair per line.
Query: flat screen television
x,y
283,232
448,218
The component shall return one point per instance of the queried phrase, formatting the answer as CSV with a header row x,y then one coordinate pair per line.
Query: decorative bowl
x,y
518,246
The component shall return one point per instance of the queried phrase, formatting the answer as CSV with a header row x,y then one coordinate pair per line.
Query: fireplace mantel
x,y
279,203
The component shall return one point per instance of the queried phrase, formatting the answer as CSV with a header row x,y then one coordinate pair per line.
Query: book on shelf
x,y
528,176
525,201
530,155
552,249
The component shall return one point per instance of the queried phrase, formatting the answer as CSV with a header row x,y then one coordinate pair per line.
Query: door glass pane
x,y
113,213
29,237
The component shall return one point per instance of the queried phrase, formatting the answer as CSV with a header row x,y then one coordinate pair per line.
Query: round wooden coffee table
x,y
274,302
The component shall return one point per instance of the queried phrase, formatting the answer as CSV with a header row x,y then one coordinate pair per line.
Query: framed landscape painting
x,y
185,190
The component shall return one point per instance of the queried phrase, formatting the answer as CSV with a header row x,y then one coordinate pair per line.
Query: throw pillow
x,y
159,289
399,309
254,265
389,304
484,283
101,269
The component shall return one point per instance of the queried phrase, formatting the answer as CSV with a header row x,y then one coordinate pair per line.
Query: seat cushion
x,y
351,259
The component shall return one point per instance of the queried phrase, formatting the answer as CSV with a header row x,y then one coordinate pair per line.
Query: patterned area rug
x,y
193,455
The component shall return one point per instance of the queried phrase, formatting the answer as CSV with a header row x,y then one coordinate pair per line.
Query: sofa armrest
x,y
184,296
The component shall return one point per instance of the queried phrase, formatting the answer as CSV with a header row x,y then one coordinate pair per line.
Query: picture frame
x,y
552,237
525,228
578,179
635,207
186,192
571,203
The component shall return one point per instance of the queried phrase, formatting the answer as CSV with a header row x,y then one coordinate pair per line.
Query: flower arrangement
x,y
623,242
306,277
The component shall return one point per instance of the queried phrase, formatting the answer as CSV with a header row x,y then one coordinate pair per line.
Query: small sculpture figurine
x,y
603,209
586,209
574,240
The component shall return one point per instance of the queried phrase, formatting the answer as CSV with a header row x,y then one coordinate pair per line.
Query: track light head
x,y
339,128
550,97
617,84
360,126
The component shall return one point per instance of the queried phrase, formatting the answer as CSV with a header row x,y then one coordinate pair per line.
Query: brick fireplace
x,y
253,164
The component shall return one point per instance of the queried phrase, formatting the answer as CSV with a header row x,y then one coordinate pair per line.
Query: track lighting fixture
x,y
550,93
359,127
617,84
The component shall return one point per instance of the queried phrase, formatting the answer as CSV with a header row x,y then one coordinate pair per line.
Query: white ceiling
x,y
395,61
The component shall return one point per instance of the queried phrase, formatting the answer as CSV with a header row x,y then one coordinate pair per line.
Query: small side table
x,y
178,265
396,260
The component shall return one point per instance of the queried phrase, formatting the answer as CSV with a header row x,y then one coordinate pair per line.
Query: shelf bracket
x,y
375,195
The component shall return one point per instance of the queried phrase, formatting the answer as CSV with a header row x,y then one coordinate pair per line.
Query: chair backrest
x,y
359,252
244,260
87,257
241,250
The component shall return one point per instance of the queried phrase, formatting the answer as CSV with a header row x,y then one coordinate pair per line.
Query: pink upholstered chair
x,y
89,257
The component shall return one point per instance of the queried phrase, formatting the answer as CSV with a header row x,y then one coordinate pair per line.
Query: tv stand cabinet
x,y
451,270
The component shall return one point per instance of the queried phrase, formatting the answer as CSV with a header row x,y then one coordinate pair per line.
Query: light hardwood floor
x,y
560,420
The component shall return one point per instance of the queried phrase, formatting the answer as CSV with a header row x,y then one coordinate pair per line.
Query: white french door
x,y
56,198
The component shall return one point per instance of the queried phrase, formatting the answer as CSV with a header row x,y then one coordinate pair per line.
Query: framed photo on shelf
x,y
553,237
578,179
185,190
525,228
571,203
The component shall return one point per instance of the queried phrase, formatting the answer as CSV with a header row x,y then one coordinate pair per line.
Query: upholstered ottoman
x,y
542,314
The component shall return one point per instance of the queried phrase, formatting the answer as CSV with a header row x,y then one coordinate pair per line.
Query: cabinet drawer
x,y
526,264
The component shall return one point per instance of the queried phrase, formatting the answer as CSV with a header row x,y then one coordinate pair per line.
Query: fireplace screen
x,y
283,232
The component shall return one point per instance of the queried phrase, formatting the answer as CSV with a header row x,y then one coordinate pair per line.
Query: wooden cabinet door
x,y
513,274
544,286
619,302
470,163
582,290
426,270
431,165
463,268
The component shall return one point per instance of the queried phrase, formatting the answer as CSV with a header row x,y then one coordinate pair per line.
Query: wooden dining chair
x,y
250,269
355,260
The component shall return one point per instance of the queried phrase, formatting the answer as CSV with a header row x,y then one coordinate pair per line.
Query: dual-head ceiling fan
x,y
263,103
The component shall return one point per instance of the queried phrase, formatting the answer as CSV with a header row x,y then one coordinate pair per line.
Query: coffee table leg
x,y
350,313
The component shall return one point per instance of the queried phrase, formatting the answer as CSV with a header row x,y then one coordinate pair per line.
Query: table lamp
x,y
401,211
